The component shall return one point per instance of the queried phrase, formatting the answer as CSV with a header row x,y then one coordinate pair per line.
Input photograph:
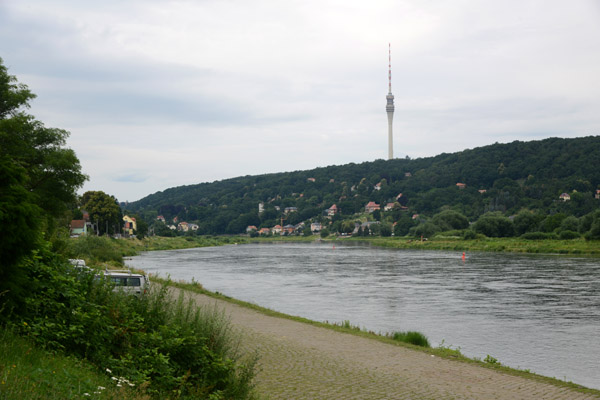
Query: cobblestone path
x,y
301,361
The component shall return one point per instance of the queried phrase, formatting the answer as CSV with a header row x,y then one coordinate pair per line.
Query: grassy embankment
x,y
514,245
71,331
29,372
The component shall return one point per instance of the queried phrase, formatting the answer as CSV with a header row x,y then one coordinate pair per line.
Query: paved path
x,y
301,361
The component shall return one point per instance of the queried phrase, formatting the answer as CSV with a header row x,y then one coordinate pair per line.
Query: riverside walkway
x,y
301,361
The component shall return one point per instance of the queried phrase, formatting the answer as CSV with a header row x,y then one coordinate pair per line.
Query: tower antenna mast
x,y
389,108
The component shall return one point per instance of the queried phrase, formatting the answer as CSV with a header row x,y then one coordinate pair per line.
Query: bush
x,y
449,219
95,249
469,234
494,225
169,346
539,236
412,337
568,235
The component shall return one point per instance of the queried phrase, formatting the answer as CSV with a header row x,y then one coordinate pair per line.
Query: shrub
x,y
170,346
96,249
412,337
450,219
568,235
469,234
494,225
539,236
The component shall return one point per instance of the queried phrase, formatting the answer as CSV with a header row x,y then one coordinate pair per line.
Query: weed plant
x,y
412,337
168,346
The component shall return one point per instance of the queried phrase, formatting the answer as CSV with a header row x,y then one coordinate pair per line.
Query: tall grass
x,y
412,337
29,372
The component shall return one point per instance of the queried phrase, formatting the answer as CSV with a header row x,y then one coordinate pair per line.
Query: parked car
x,y
127,281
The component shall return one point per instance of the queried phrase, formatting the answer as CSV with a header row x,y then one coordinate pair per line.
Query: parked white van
x,y
128,281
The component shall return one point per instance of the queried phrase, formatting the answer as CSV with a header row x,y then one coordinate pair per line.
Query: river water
x,y
540,313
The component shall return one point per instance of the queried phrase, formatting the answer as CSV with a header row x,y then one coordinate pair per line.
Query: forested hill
x,y
501,177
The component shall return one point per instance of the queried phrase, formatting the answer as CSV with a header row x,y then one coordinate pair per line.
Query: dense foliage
x,y
518,179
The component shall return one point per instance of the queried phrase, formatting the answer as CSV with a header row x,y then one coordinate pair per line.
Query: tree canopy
x,y
38,179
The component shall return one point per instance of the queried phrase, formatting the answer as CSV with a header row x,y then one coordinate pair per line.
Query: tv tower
x,y
389,108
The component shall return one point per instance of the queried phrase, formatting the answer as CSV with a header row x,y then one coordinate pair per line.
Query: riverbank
x,y
304,359
512,245
106,252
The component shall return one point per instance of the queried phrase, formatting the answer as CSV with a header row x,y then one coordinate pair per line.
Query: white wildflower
x,y
109,371
101,388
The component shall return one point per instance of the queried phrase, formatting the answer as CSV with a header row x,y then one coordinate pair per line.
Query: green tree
x,y
19,220
449,219
142,228
104,211
527,221
385,230
38,180
53,171
494,225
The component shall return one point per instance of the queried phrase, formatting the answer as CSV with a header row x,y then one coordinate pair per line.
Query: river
x,y
540,313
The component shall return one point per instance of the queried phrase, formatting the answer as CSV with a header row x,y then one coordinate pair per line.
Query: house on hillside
x,y
183,226
276,230
264,231
310,179
461,185
389,206
377,187
331,211
564,197
161,219
251,228
290,209
288,229
372,206
315,227
597,195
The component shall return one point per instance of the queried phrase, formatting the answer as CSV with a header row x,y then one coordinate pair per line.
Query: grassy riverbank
x,y
106,252
512,245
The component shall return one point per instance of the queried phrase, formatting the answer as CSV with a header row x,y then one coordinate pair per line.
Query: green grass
x,y
108,252
412,337
29,372
513,245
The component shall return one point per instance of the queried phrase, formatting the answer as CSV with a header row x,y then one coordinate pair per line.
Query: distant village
x,y
129,225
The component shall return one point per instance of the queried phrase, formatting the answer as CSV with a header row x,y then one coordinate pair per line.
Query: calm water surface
x,y
533,312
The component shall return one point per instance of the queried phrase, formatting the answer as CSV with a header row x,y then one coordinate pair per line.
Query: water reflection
x,y
536,312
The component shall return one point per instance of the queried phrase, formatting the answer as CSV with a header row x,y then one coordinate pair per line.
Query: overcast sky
x,y
158,93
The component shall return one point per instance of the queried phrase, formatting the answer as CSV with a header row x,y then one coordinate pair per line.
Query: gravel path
x,y
301,361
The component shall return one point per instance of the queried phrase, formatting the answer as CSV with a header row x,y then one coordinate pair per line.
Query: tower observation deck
x,y
389,108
